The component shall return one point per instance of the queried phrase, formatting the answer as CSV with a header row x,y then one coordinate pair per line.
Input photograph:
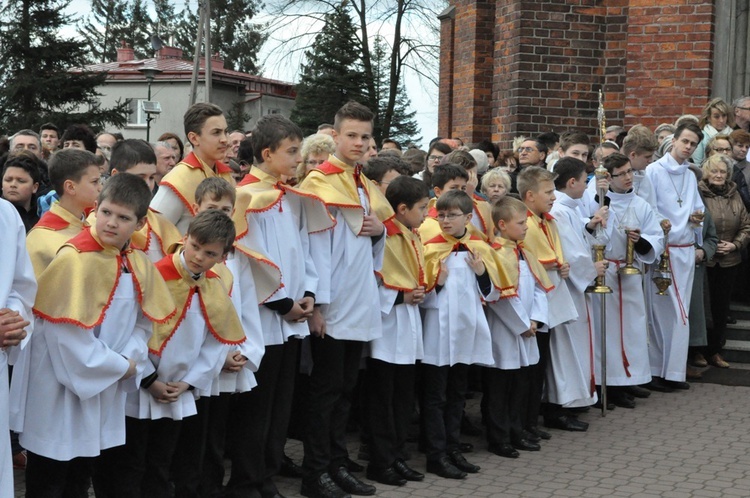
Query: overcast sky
x,y
423,95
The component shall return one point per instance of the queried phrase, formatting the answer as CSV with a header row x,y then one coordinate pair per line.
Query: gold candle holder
x,y
599,286
629,269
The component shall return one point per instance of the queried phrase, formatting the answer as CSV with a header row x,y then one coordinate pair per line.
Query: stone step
x,y
737,351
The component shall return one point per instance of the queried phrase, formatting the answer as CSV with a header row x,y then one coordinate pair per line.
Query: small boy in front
x,y
206,130
137,157
536,188
185,353
276,222
461,269
391,366
89,348
446,177
345,258
75,176
514,320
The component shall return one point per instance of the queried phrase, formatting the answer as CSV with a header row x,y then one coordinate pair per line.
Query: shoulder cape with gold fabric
x,y
440,247
54,228
543,239
81,281
403,264
334,183
260,192
508,252
266,274
218,311
483,211
430,227
165,232
188,173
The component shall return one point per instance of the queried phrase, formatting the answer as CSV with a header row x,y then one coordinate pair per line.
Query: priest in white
x,y
677,199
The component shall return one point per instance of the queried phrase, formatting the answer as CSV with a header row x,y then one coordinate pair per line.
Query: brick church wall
x,y
549,58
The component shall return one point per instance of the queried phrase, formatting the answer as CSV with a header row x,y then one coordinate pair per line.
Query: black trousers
x,y
48,478
390,392
536,378
212,475
504,394
720,287
443,400
187,464
141,467
332,380
260,419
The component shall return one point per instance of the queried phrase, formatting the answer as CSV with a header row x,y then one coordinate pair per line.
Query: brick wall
x,y
550,58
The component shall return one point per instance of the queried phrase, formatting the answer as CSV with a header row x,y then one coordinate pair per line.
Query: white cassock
x,y
627,322
17,293
347,287
570,377
677,197
193,355
455,326
401,342
168,204
510,317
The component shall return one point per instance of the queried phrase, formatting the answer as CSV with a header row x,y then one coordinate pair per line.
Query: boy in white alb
x,y
276,222
17,292
87,345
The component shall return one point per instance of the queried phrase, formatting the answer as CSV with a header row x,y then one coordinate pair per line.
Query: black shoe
x,y
529,436
579,409
465,447
407,472
353,466
620,399
387,476
610,405
461,463
637,391
676,384
503,450
658,384
364,452
565,423
731,320
445,468
536,431
290,469
323,487
351,484
522,444
469,428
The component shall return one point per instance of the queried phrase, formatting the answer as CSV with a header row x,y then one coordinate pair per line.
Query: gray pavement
x,y
692,443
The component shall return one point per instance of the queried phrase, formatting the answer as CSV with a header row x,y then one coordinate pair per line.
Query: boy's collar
x,y
195,276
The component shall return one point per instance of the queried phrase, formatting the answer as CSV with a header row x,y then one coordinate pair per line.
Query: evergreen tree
x,y
331,74
103,29
36,85
138,33
233,35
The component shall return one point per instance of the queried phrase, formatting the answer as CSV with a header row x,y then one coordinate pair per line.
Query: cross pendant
x,y
679,201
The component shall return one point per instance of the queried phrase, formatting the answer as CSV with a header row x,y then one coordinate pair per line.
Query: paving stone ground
x,y
677,445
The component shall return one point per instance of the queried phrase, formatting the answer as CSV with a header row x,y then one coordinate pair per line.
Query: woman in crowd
x,y
315,151
435,154
717,118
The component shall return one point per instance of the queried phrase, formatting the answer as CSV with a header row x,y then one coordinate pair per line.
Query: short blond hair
x,y
530,178
320,143
505,208
714,161
494,175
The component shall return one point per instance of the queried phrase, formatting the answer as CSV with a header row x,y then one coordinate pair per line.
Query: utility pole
x,y
207,31
197,54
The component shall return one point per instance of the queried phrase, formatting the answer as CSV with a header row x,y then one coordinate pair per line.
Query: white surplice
x,y
570,373
17,293
401,342
677,196
627,323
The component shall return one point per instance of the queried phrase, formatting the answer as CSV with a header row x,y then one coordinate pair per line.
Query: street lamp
x,y
150,107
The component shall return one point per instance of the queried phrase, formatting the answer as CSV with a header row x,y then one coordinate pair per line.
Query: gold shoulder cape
x,y
218,310
259,192
483,211
543,239
430,228
185,177
403,264
334,182
266,274
440,246
508,252
79,284
54,228
164,231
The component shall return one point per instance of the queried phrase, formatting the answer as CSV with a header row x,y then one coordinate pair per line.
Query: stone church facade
x,y
511,67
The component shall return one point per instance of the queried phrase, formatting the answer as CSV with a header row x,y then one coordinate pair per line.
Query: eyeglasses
x,y
315,162
526,149
724,150
743,108
434,158
104,147
449,216
628,172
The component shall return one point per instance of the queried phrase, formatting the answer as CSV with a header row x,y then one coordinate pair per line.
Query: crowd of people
x,y
166,307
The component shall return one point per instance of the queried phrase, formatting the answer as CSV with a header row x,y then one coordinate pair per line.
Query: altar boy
x,y
87,345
